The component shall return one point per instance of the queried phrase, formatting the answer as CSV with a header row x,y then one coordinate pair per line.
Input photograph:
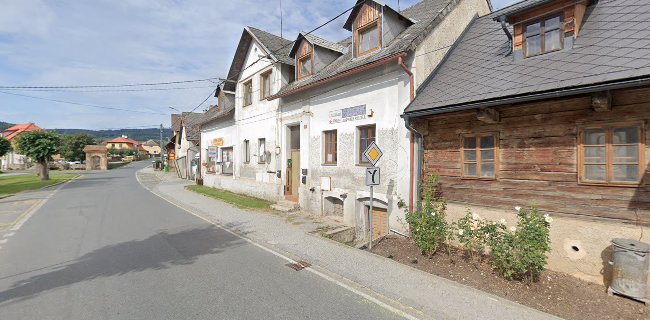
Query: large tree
x,y
73,146
5,146
39,146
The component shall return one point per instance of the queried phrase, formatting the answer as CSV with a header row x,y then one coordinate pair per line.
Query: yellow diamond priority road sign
x,y
373,153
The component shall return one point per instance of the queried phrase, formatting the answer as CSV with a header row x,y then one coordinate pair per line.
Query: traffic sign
x,y
373,153
373,176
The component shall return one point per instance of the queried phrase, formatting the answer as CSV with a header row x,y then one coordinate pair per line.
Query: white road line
x,y
3,241
8,234
38,206
280,255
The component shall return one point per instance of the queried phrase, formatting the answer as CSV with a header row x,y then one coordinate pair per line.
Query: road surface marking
x,y
3,241
280,255
8,234
30,212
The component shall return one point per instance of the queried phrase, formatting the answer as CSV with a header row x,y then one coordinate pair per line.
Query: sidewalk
x,y
412,291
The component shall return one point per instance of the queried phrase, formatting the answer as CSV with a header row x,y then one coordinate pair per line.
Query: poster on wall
x,y
212,159
348,114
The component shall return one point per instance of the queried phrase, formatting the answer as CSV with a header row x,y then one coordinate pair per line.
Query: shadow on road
x,y
160,251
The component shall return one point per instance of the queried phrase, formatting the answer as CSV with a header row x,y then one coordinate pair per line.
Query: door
x,y
379,222
227,166
292,182
95,163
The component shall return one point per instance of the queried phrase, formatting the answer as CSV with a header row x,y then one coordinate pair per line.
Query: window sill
x,y
366,165
611,184
328,164
478,178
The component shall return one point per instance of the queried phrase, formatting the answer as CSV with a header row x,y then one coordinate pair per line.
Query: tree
x,y
73,146
5,146
39,146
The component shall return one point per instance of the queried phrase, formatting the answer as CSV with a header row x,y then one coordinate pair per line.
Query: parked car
x,y
74,162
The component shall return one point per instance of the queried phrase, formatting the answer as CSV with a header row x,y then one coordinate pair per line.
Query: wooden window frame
x,y
362,161
608,127
326,134
245,85
374,23
478,162
542,33
264,83
311,65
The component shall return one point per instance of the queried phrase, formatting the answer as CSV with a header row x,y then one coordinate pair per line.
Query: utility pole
x,y
161,147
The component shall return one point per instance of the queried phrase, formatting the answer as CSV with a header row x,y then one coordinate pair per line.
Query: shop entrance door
x,y
227,159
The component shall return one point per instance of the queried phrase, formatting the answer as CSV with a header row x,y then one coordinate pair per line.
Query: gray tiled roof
x,y
279,47
426,14
519,6
192,122
318,41
218,112
612,45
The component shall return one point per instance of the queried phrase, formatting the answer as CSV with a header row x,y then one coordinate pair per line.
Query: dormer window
x,y
543,36
305,66
367,38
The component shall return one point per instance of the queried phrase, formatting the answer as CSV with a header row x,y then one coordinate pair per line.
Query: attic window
x,y
304,66
544,36
367,38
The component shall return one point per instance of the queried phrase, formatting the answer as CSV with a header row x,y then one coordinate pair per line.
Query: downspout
x,y
414,136
502,20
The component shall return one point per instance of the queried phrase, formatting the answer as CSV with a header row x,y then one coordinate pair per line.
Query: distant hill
x,y
135,134
5,125
141,135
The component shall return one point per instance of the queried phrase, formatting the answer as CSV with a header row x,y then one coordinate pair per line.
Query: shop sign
x,y
212,151
217,142
348,114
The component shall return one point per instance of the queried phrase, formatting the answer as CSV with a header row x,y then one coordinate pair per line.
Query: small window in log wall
x,y
611,155
479,156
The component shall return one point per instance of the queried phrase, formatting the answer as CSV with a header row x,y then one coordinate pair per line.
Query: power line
x,y
106,90
109,86
80,104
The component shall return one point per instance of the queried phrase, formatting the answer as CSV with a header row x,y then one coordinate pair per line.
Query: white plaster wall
x,y
385,91
225,130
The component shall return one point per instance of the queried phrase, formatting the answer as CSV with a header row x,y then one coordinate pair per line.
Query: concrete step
x,y
286,206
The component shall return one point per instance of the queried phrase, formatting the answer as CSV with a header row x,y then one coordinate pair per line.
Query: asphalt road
x,y
103,247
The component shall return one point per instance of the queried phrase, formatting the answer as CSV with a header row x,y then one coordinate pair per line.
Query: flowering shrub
x,y
429,227
520,253
471,233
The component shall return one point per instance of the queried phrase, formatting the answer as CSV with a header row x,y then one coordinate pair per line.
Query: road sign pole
x,y
370,219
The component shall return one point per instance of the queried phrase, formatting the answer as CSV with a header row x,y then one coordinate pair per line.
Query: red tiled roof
x,y
14,131
123,140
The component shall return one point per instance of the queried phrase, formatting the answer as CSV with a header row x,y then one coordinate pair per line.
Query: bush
x,y
520,253
429,227
472,233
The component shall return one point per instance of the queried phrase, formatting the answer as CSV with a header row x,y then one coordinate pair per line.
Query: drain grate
x,y
299,265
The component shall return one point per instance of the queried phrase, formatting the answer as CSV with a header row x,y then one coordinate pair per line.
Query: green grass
x,y
238,200
13,184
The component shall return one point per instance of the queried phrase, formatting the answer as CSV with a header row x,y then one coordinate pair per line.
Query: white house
x,y
247,145
350,93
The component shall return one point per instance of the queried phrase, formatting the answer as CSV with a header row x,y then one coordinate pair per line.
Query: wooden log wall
x,y
538,157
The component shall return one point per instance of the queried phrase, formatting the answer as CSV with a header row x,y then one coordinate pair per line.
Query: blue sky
x,y
107,42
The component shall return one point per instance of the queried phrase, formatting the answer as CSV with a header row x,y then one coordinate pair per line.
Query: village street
x,y
103,247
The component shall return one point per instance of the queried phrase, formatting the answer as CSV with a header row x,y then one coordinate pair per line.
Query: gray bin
x,y
630,260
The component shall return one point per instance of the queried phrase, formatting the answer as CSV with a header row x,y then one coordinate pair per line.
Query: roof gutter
x,y
339,76
532,97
